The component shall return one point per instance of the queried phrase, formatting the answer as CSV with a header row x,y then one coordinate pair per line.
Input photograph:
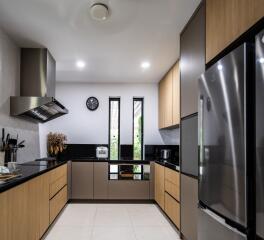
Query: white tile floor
x,y
112,221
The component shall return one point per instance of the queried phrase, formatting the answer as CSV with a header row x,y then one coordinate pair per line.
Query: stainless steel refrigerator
x,y
260,135
225,125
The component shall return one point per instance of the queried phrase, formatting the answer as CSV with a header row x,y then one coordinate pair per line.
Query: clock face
x,y
92,103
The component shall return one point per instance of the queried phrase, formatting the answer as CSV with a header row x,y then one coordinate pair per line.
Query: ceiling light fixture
x,y
80,64
99,11
261,60
145,65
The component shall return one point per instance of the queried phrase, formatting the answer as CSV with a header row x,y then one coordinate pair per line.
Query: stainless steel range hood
x,y
37,87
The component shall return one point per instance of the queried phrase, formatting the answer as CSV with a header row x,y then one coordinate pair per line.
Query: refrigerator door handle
x,y
201,135
221,221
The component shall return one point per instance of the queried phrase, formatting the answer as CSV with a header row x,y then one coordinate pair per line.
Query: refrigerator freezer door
x,y
211,227
260,134
222,173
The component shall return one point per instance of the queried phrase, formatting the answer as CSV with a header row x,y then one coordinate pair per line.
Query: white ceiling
x,y
137,30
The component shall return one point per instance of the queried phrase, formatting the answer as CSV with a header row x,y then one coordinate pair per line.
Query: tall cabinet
x,y
192,66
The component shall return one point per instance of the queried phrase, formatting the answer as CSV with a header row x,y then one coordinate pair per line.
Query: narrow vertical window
x,y
138,128
114,128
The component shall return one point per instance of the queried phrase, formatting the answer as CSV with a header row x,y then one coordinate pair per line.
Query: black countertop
x,y
28,171
168,164
111,161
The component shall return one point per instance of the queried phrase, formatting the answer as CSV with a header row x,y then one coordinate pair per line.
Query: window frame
x,y
109,126
141,99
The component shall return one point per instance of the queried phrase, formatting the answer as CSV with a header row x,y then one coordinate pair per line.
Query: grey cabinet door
x,y
82,180
192,43
189,207
100,180
189,145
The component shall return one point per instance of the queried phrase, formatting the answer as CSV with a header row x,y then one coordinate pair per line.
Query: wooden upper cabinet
x,y
226,20
176,94
169,98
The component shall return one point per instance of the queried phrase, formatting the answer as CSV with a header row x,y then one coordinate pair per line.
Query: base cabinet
x,y
172,209
82,180
25,209
189,203
57,203
159,184
100,180
127,189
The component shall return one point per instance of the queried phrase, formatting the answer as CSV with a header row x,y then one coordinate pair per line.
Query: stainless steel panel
x,y
260,134
211,227
37,73
189,145
222,173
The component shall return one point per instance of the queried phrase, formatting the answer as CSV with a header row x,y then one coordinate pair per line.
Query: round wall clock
x,y
92,103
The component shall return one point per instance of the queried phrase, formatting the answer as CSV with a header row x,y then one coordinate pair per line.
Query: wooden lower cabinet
x,y
25,209
172,209
172,183
44,203
57,203
159,184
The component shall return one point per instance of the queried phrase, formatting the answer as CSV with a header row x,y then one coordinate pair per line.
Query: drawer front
x,y
172,189
57,203
172,176
58,173
57,185
172,209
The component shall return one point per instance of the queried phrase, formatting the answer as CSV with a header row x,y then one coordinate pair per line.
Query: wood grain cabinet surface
x,y
159,184
172,183
25,209
172,209
226,20
169,98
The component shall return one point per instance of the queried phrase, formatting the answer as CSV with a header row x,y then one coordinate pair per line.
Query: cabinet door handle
x,y
201,134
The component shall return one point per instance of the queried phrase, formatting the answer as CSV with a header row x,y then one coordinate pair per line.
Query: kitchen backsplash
x,y
88,151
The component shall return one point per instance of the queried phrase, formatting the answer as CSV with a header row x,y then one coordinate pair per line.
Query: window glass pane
x,y
114,129
138,129
113,168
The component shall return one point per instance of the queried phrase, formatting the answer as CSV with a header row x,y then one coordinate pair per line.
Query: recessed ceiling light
x,y
145,65
80,64
261,60
99,11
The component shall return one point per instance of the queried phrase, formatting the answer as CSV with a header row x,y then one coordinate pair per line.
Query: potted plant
x,y
56,143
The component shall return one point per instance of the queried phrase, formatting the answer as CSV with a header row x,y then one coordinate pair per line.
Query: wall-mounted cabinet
x,y
169,98
226,20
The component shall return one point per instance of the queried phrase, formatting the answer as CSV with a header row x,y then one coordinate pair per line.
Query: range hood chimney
x,y
37,87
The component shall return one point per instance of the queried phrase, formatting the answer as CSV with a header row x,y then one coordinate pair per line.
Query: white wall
x,y
9,86
84,126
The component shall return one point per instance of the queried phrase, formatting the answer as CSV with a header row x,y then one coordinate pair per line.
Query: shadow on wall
x,y
170,136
